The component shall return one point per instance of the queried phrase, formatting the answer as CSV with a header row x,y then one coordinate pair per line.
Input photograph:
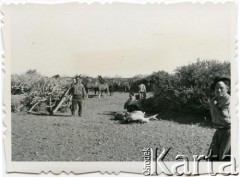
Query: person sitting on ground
x,y
134,112
132,104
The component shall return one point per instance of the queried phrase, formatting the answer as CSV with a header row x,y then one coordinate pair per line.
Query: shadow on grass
x,y
92,96
112,116
187,119
47,114
108,113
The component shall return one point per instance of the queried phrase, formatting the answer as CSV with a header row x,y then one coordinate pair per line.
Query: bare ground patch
x,y
95,137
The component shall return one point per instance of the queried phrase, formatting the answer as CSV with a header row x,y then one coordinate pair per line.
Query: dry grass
x,y
95,137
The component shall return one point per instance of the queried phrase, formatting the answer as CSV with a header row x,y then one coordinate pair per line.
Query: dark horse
x,y
91,86
126,86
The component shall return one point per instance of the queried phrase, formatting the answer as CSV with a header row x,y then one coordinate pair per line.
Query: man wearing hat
x,y
132,104
220,112
78,93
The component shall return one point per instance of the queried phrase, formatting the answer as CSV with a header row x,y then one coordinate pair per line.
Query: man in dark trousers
x,y
78,94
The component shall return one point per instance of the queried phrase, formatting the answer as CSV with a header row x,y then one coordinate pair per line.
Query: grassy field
x,y
95,137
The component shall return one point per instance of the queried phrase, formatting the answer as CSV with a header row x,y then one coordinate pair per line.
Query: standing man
x,y
142,91
221,118
78,93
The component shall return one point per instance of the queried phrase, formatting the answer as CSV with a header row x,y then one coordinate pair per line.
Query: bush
x,y
187,91
151,82
24,82
17,102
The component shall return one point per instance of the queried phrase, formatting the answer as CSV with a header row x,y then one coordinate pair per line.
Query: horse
x,y
91,86
111,89
126,86
102,88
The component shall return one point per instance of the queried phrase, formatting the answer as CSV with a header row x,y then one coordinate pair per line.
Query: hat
x,y
78,77
221,78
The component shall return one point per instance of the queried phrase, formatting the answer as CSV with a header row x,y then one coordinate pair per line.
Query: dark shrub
x,y
187,91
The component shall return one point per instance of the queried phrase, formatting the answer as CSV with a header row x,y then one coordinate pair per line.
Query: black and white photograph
x,y
116,82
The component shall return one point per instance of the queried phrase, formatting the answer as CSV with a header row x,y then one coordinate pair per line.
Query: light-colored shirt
x,y
142,88
220,111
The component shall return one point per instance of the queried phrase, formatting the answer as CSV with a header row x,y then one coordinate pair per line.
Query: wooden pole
x,y
30,110
59,104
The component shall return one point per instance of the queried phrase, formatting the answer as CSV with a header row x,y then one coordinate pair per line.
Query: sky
x,y
117,39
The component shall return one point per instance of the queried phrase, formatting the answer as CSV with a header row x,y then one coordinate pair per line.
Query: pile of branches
x,y
42,94
48,95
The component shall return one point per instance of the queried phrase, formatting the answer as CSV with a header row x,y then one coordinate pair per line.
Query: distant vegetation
x,y
186,91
